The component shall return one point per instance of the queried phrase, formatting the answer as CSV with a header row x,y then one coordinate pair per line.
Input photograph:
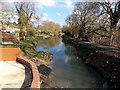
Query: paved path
x,y
13,74
108,49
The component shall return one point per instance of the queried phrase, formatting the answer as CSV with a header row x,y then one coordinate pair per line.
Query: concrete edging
x,y
36,76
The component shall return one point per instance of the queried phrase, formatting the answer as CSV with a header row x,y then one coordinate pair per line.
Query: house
x,y
9,33
11,28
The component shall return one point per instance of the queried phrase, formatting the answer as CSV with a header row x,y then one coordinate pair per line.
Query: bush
x,y
31,33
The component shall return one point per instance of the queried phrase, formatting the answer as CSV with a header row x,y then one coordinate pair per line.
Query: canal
x,y
68,69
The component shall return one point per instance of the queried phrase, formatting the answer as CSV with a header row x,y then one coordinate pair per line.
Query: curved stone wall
x,y
36,76
14,54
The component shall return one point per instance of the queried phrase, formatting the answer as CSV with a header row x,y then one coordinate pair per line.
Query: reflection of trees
x,y
49,43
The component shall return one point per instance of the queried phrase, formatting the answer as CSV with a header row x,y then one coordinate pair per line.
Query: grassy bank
x,y
107,65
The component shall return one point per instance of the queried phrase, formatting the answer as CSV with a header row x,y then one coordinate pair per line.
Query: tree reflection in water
x,y
68,70
49,43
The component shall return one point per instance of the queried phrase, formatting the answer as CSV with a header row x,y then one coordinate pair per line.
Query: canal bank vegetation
x,y
97,22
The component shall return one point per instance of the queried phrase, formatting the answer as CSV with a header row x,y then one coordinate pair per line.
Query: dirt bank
x,y
44,71
104,59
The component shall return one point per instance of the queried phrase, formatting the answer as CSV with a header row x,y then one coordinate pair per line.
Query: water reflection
x,y
68,69
48,43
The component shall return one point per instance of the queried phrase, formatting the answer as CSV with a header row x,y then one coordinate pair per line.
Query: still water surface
x,y
69,71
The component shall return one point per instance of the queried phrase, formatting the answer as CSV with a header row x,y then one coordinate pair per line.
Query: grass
x,y
1,46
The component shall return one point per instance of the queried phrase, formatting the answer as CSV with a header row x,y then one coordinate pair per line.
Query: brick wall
x,y
14,54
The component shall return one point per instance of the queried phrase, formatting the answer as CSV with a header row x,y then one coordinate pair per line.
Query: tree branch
x,y
17,9
101,28
102,35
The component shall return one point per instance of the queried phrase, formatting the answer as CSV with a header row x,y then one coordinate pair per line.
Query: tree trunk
x,y
93,38
111,40
113,29
118,45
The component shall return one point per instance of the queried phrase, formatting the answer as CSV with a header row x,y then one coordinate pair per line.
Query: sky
x,y
57,11
51,10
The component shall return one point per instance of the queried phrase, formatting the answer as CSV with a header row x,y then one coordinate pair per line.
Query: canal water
x,y
68,70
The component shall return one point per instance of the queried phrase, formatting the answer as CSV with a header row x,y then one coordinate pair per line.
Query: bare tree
x,y
113,10
5,13
50,27
84,16
25,11
98,21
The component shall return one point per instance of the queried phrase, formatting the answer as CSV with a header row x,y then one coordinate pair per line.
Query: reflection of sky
x,y
67,69
53,50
